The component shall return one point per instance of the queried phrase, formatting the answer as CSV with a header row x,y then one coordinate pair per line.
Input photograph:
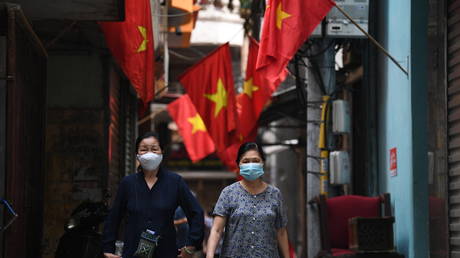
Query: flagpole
x,y
377,44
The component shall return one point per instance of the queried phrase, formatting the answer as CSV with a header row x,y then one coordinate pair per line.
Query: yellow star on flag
x,y
220,97
249,87
280,15
197,123
143,45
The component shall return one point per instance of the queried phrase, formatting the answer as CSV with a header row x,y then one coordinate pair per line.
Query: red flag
x,y
209,83
257,90
228,156
191,127
131,43
287,25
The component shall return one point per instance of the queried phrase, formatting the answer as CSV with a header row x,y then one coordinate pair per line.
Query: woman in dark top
x,y
148,200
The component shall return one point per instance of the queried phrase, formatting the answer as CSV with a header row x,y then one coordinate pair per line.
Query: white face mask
x,y
150,160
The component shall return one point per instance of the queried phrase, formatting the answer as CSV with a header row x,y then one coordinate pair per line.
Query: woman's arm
x,y
194,214
215,235
283,242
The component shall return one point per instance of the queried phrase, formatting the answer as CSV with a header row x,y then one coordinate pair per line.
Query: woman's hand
x,y
109,255
184,254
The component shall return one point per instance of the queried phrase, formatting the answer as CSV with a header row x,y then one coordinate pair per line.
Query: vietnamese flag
x,y
257,91
197,141
209,83
228,156
287,25
131,44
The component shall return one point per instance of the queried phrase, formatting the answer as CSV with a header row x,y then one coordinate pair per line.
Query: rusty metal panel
x,y
114,139
25,123
2,128
77,10
453,96
129,103
122,129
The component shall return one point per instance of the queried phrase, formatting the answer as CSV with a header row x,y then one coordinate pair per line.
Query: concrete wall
x,y
284,168
402,120
75,81
313,166
76,140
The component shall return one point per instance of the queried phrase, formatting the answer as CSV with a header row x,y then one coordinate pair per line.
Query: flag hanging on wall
x,y
197,141
131,44
287,25
209,83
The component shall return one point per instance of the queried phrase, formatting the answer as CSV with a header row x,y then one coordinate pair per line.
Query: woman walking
x,y
149,199
250,214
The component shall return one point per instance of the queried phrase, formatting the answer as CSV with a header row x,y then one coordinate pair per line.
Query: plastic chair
x,y
334,215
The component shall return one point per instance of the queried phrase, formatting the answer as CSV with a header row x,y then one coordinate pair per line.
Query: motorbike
x,y
82,238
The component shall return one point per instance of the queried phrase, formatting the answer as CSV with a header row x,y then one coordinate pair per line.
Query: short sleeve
x,y
281,213
222,207
179,214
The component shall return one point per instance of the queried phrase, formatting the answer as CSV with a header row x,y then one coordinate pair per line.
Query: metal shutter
x,y
114,150
129,108
453,97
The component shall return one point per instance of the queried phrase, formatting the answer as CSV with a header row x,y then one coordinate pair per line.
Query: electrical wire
x,y
172,52
197,51
171,15
318,53
300,89
201,54
236,34
318,76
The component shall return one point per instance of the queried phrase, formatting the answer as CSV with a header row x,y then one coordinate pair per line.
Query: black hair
x,y
145,136
247,146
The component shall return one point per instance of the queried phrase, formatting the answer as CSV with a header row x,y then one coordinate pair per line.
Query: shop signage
x,y
393,162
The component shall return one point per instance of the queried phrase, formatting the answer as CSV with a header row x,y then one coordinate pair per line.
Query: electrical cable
x,y
201,54
300,89
236,34
171,15
197,51
172,52
318,53
318,76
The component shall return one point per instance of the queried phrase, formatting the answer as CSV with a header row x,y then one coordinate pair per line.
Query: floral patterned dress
x,y
252,221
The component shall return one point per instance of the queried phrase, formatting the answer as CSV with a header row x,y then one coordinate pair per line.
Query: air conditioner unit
x,y
339,165
318,31
341,117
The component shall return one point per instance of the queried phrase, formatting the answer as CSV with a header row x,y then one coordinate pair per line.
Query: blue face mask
x,y
251,171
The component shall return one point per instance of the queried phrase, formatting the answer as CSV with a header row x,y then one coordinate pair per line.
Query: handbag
x,y
147,244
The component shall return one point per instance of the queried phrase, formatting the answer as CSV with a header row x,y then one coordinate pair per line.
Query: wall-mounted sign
x,y
393,162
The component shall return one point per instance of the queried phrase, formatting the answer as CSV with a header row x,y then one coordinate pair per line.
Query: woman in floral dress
x,y
250,214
